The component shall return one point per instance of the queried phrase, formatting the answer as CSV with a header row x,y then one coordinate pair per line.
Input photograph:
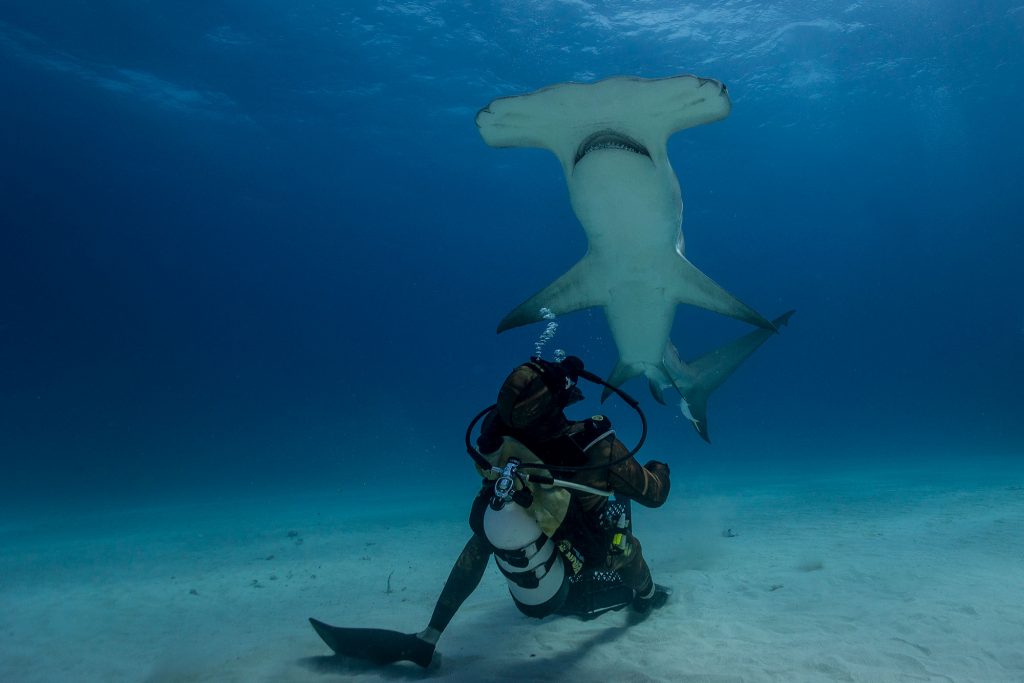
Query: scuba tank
x,y
536,570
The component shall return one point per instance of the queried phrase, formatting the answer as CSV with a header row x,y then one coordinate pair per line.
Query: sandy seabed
x,y
884,579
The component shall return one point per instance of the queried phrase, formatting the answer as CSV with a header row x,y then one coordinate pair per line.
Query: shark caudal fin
x,y
695,381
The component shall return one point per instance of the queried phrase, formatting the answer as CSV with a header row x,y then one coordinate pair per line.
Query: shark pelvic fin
x,y
621,373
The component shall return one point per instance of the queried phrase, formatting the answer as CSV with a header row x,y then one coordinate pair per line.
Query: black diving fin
x,y
374,644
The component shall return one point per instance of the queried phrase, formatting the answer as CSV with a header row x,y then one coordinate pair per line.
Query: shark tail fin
x,y
695,381
571,292
697,289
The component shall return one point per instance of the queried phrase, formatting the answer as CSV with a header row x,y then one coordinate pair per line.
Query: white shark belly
x,y
627,204
631,209
640,317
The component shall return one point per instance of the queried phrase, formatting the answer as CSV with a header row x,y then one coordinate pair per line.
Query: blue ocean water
x,y
256,247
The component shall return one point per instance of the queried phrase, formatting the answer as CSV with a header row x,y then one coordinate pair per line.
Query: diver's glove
x,y
658,489
658,468
572,366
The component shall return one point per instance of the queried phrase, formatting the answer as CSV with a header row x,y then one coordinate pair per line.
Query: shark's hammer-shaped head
x,y
611,139
575,120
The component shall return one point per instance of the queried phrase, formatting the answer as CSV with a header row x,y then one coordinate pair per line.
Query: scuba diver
x,y
545,511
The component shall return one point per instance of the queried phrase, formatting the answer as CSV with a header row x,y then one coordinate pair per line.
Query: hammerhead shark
x,y
611,139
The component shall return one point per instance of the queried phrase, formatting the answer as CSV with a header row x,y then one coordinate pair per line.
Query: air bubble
x,y
548,334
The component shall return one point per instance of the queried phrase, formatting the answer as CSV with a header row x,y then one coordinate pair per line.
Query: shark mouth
x,y
609,139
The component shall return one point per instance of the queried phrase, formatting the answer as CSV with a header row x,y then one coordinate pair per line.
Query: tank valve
x,y
505,486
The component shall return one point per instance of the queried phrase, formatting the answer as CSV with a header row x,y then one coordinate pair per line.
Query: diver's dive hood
x,y
538,390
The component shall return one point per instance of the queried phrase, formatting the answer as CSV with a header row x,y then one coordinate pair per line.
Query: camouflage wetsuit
x,y
588,442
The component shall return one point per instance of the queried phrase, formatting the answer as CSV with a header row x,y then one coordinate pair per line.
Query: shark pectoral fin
x,y
697,289
574,291
696,381
621,373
